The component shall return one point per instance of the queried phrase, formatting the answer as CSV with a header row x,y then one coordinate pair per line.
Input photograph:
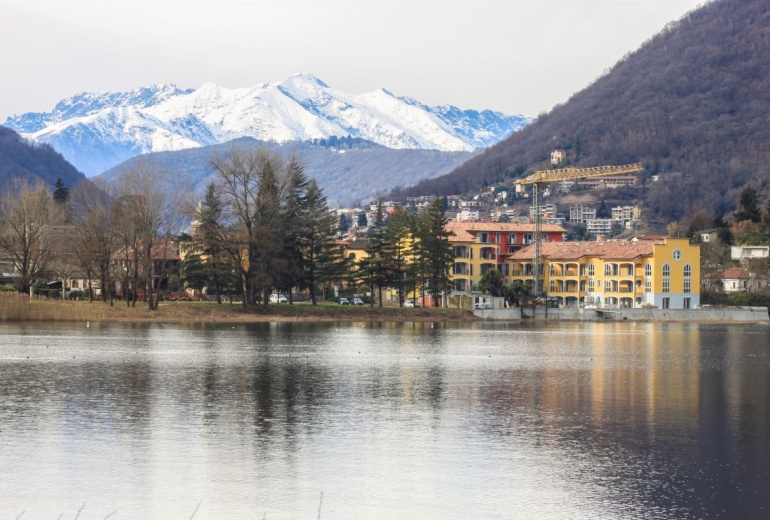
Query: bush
x,y
77,295
747,299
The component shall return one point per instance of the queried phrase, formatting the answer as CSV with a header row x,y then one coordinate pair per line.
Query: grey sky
x,y
517,56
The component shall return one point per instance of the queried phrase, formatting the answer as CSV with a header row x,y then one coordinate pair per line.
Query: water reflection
x,y
615,420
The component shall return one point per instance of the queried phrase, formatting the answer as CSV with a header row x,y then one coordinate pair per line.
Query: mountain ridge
x,y
347,174
98,131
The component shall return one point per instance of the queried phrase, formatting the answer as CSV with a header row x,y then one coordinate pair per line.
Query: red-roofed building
x,y
480,246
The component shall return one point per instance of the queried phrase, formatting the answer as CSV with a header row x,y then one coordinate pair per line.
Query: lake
x,y
385,421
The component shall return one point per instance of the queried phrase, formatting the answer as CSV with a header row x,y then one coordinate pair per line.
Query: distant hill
x,y
29,161
348,169
96,131
692,104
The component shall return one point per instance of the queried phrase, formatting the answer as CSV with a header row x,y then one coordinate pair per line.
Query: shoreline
x,y
20,308
15,308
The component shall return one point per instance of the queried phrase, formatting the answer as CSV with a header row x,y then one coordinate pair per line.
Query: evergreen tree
x,y
344,223
436,249
322,260
211,238
373,268
397,249
61,194
748,205
266,256
361,221
294,221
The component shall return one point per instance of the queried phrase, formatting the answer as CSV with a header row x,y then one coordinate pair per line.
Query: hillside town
x,y
84,245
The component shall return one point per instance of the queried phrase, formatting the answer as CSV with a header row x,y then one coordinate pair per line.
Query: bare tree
x,y
250,186
149,217
26,216
94,245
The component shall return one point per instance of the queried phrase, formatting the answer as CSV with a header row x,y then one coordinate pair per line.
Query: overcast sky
x,y
516,56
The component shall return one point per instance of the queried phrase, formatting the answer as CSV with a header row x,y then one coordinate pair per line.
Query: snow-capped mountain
x,y
97,131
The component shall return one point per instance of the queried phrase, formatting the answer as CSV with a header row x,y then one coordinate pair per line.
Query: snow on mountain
x,y
97,131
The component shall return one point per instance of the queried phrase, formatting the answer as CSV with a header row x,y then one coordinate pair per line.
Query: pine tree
x,y
61,194
373,268
748,205
322,260
436,249
212,237
396,251
294,215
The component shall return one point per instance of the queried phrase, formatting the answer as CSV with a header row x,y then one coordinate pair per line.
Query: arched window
x,y
607,270
666,278
590,277
687,278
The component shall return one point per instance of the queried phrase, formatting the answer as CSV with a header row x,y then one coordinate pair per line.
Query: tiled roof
x,y
736,273
463,230
357,243
605,249
503,227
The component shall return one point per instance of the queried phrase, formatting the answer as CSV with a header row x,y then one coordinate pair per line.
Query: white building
x,y
581,214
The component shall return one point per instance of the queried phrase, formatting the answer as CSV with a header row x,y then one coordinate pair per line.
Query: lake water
x,y
385,421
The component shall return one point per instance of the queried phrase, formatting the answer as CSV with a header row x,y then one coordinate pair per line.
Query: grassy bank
x,y
16,307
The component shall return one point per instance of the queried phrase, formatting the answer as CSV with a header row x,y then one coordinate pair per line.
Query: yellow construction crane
x,y
562,174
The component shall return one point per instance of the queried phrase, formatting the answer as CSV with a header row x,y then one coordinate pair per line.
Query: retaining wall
x,y
728,314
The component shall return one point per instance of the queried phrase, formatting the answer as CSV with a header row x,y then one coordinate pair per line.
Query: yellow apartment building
x,y
663,272
480,246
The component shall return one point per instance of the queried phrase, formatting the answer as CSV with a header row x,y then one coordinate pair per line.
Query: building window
x,y
686,304
551,286
582,269
666,303
590,277
647,278
607,270
607,286
687,279
551,270
483,238
666,278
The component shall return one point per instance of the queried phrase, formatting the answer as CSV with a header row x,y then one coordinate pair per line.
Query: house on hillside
x,y
739,279
749,252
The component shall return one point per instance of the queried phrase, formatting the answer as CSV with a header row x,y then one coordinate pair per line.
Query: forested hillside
x,y
32,162
692,104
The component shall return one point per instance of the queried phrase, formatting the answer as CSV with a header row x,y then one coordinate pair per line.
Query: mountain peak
x,y
298,108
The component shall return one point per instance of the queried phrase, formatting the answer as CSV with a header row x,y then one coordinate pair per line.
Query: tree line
x,y
261,226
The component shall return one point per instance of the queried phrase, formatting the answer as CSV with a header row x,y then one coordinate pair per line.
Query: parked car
x,y
358,301
344,301
483,305
278,298
411,303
